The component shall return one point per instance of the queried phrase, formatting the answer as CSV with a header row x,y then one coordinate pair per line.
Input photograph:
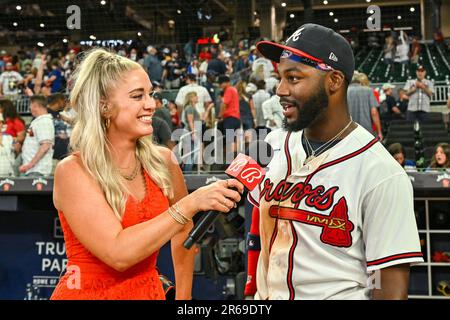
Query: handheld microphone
x,y
245,170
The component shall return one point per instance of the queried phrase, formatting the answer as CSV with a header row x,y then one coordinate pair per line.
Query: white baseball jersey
x,y
326,225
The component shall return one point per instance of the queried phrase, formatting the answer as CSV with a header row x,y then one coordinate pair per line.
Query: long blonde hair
x,y
188,98
240,87
93,78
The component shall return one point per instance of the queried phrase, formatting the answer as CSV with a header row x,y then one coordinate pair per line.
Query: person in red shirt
x,y
205,54
175,116
15,126
229,110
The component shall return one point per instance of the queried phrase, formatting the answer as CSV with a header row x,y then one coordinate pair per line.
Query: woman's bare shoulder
x,y
169,157
72,162
72,171
73,184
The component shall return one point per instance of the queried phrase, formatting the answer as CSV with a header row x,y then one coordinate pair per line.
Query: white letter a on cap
x,y
295,35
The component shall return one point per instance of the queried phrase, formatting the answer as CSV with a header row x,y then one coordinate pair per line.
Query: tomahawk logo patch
x,y
336,228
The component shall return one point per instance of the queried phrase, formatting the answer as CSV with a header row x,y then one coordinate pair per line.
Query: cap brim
x,y
273,51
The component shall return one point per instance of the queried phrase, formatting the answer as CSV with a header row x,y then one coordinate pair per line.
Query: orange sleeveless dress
x,y
98,281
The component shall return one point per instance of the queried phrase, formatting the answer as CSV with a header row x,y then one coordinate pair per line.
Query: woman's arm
x,y
21,136
190,120
40,75
252,108
183,259
93,222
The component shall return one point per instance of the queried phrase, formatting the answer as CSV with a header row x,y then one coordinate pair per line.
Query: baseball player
x,y
333,218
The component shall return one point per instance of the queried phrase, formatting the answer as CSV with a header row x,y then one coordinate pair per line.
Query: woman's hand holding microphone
x,y
217,196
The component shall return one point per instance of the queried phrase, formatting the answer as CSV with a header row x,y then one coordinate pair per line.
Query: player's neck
x,y
331,125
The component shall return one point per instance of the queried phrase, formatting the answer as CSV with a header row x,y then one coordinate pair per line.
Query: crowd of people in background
x,y
401,49
216,87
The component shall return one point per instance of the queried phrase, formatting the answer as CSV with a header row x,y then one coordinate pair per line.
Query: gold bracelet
x,y
177,214
175,217
177,209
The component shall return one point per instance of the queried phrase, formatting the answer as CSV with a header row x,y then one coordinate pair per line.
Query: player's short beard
x,y
311,109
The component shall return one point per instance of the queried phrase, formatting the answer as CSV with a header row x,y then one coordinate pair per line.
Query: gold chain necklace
x,y
326,146
132,176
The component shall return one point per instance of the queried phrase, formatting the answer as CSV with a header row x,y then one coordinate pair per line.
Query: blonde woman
x,y
189,117
190,113
257,74
119,197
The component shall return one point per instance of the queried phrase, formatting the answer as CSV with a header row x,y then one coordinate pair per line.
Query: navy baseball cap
x,y
317,44
223,79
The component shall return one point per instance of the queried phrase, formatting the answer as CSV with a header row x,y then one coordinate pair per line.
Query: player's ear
x,y
336,80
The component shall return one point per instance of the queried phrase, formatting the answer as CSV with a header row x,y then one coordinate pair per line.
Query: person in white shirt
x,y
204,99
273,112
402,50
258,98
10,81
268,66
334,211
6,151
37,150
202,70
272,83
419,91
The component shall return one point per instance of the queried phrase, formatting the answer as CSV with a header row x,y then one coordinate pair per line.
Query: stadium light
x,y
367,1
331,13
336,20
65,40
179,11
292,16
412,9
325,2
139,34
42,25
15,24
399,17
103,2
18,8
92,37
40,44
283,4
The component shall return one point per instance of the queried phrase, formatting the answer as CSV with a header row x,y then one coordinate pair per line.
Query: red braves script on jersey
x,y
325,225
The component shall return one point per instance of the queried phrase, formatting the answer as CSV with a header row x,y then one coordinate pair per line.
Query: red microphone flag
x,y
246,170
